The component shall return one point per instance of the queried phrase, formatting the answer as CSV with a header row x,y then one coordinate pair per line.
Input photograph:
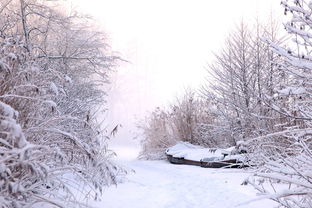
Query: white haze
x,y
167,43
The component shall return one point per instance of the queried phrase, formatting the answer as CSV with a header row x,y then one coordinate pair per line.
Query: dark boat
x,y
214,162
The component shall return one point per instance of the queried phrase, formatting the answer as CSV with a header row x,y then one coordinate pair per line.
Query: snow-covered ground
x,y
159,184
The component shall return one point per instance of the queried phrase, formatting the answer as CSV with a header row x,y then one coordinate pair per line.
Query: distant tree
x,y
241,79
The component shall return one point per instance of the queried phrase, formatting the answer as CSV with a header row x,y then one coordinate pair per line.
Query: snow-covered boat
x,y
186,153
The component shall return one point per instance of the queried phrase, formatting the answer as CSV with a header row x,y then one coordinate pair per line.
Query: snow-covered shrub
x,y
52,70
23,176
157,135
285,170
190,119
286,154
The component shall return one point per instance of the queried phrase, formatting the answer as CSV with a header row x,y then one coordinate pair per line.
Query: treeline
x,y
233,105
258,91
53,64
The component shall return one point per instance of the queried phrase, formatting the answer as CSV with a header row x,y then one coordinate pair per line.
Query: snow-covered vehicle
x,y
186,153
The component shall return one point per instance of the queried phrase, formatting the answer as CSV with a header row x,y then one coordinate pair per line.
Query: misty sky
x,y
168,44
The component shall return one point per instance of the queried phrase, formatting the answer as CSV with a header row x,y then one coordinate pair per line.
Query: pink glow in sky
x,y
168,43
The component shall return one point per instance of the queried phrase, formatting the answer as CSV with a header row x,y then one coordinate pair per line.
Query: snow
x,y
9,123
12,56
3,66
68,79
159,184
7,110
34,69
197,153
3,168
54,88
292,91
50,103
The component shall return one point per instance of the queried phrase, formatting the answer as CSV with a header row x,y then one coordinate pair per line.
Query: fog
x,y
167,44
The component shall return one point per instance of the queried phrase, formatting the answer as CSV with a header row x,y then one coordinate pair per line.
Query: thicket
x,y
53,64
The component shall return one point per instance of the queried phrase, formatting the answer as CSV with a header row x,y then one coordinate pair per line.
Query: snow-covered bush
x,y
286,155
190,119
52,70
23,176
283,171
157,135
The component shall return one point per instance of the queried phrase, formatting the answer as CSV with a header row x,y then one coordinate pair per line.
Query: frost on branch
x,y
52,68
287,171
286,155
23,176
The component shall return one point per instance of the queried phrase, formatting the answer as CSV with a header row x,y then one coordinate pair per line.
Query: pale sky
x,y
168,43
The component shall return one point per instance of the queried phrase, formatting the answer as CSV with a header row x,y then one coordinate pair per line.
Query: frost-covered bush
x,y
284,168
286,155
190,119
52,70
157,135
23,176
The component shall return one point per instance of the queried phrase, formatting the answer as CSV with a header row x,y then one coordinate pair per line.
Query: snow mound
x,y
292,91
197,153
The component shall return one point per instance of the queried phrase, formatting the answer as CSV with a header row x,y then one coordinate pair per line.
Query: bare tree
x,y
241,79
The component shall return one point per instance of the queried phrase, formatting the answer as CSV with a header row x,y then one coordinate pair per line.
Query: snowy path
x,y
158,184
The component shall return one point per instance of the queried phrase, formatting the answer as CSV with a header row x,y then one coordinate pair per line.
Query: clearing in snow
x,y
159,184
